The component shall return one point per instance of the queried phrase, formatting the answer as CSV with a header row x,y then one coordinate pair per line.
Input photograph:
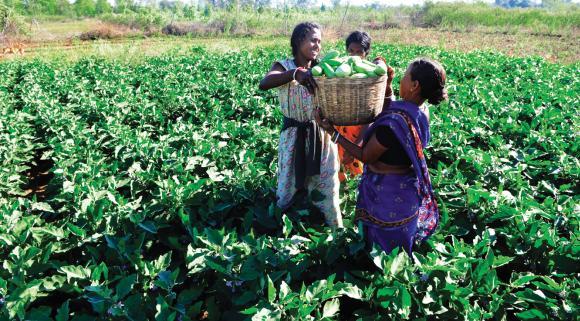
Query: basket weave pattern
x,y
351,101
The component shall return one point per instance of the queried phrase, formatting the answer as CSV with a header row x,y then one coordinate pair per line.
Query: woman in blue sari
x,y
395,201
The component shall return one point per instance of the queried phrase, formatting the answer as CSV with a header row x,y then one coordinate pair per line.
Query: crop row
x,y
162,204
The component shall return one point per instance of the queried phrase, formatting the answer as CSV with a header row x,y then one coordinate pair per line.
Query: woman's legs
x,y
286,188
324,195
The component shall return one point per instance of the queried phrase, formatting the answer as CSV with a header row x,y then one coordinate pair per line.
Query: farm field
x,y
58,40
144,190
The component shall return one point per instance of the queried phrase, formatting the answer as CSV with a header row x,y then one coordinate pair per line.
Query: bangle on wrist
x,y
294,73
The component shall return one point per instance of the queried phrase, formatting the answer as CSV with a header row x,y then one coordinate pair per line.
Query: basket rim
x,y
350,101
346,80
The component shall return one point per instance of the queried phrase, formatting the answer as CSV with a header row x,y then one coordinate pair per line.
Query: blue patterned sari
x,y
399,209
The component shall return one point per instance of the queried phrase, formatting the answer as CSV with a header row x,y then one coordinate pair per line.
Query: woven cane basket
x,y
350,101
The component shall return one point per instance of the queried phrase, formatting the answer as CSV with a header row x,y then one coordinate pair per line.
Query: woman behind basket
x,y
396,202
307,159
358,43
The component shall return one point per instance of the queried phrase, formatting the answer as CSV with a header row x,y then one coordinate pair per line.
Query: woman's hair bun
x,y
431,77
437,96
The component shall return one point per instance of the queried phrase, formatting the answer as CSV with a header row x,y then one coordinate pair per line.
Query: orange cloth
x,y
355,167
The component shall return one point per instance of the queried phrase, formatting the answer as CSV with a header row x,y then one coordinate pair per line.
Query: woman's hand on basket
x,y
304,77
323,122
390,76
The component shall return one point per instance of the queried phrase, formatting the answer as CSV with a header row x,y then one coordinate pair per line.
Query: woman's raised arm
x,y
276,77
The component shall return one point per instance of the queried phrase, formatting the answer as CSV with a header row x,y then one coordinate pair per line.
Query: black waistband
x,y
307,151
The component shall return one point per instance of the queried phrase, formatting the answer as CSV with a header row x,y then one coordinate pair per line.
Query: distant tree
x,y
122,6
218,3
20,6
336,3
190,12
11,21
167,5
48,7
377,6
103,6
555,3
255,4
303,3
514,3
85,8
232,5
262,3
64,7
247,3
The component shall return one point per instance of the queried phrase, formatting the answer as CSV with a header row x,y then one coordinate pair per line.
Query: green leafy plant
x,y
162,201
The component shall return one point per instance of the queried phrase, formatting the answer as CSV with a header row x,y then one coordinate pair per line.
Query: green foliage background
x,y
554,17
162,203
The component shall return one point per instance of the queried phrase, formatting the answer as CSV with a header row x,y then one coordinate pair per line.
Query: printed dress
x,y
353,167
296,104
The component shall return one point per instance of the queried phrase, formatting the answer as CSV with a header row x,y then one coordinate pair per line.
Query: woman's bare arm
x,y
361,134
276,77
368,154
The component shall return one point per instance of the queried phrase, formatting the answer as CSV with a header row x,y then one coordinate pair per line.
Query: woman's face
x,y
355,49
311,45
407,87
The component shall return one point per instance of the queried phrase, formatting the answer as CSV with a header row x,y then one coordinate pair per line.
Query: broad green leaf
x,y
75,272
42,206
287,228
267,315
76,230
148,226
284,290
271,290
532,314
331,308
39,314
165,280
188,296
378,257
100,270
536,296
249,311
481,270
427,299
399,263
523,280
125,285
351,291
405,308
501,260
3,286
62,313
